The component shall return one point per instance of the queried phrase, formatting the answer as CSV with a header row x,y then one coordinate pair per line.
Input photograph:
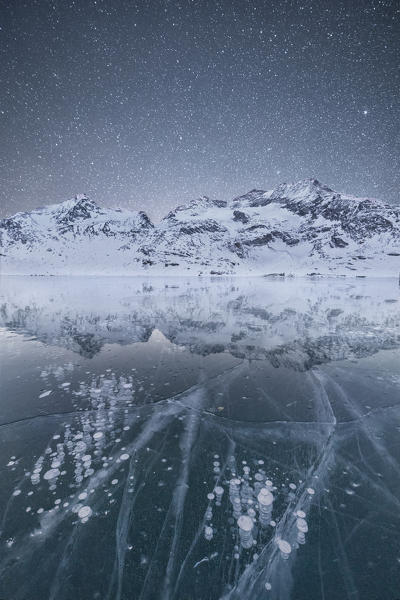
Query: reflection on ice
x,y
293,323
256,477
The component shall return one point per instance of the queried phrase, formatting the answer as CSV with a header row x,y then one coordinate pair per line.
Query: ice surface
x,y
259,471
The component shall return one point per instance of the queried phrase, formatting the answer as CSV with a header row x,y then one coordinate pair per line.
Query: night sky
x,y
148,105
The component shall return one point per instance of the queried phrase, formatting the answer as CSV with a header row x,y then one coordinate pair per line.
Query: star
x,y
156,106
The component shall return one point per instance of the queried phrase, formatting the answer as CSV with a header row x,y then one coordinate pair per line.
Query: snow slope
x,y
299,228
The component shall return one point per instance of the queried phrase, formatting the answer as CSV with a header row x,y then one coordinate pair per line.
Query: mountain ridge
x,y
297,228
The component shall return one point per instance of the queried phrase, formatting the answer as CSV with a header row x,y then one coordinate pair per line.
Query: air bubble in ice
x,y
302,528
285,548
51,474
237,506
234,486
84,512
265,498
245,524
302,525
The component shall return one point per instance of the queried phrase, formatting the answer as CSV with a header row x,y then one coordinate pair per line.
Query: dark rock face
x,y
237,248
338,242
252,198
145,221
209,225
238,215
83,209
261,240
367,223
14,230
285,237
269,237
220,203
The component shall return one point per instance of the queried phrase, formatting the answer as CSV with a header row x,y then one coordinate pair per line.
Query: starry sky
x,y
147,105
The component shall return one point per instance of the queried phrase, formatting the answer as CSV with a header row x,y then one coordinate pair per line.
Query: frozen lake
x,y
199,439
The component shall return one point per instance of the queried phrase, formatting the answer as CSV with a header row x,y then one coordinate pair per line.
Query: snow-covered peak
x,y
252,198
305,190
204,202
81,207
80,197
79,203
195,208
79,210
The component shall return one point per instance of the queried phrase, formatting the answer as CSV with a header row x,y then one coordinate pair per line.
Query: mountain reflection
x,y
294,323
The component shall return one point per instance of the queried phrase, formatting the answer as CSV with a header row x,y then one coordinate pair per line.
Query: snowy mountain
x,y
76,236
299,228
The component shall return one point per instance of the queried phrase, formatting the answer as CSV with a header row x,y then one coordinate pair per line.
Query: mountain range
x,y
304,228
